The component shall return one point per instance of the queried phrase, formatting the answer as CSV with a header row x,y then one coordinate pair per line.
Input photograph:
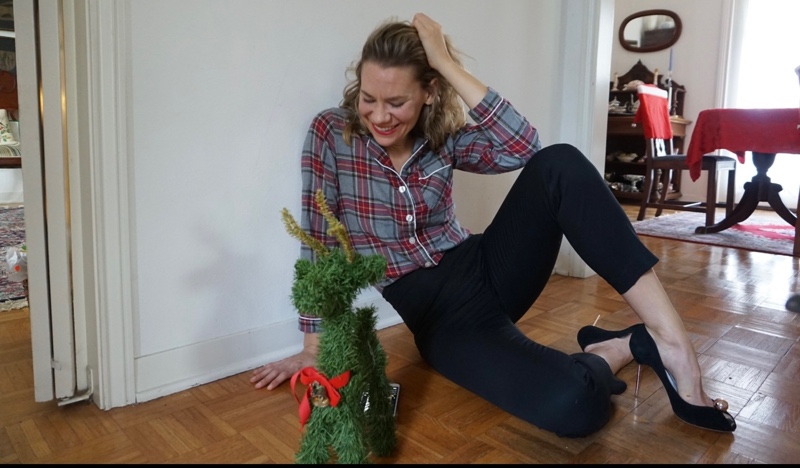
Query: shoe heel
x,y
638,378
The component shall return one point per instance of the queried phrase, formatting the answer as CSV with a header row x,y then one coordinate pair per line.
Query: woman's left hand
x,y
433,40
432,37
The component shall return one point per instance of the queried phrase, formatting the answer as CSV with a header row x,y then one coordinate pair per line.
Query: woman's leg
x,y
651,303
568,395
462,332
560,191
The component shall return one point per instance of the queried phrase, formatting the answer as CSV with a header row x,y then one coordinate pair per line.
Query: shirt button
x,y
409,218
402,189
427,264
411,240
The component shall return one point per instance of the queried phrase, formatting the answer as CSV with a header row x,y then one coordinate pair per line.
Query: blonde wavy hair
x,y
397,44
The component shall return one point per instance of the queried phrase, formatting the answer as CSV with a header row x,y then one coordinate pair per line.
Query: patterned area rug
x,y
12,234
760,232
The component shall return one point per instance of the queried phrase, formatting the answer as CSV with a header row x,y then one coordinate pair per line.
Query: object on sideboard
x,y
630,107
624,157
638,74
631,85
9,142
626,183
615,107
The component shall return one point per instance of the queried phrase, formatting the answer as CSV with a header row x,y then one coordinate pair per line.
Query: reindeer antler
x,y
336,229
297,232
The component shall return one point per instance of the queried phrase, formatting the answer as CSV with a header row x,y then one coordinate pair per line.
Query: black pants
x,y
463,311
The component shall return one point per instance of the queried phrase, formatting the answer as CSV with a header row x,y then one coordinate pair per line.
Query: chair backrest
x,y
653,115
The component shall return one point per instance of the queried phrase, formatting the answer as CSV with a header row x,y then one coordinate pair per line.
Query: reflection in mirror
x,y
650,30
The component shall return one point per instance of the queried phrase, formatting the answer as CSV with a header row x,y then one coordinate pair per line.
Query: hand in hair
x,y
432,37
469,88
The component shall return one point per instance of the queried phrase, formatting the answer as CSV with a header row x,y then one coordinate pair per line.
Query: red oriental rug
x,y
760,232
12,234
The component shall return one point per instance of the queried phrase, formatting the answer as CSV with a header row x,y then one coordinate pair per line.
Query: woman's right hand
x,y
273,374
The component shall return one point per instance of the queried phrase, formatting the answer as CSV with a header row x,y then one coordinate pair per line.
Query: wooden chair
x,y
661,163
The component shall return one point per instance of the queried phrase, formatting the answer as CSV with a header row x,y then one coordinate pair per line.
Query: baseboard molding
x,y
175,370
11,199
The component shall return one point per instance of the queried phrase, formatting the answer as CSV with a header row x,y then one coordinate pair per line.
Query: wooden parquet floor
x,y
732,302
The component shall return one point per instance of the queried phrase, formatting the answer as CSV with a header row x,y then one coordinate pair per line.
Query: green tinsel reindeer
x,y
351,360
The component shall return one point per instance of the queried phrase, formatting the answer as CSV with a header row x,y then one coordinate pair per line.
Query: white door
x,y
41,72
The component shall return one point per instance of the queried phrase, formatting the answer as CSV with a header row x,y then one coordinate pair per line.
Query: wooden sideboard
x,y
10,162
623,138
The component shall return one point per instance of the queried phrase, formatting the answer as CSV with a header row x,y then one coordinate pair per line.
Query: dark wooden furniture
x,y
764,132
623,138
8,90
9,100
10,162
661,161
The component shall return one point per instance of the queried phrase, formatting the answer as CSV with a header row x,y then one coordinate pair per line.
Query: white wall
x,y
222,96
696,61
10,186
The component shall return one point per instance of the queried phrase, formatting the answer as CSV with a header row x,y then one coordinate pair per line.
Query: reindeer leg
x,y
380,417
316,442
350,441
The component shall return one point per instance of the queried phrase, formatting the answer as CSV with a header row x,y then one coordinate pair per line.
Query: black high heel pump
x,y
589,335
645,352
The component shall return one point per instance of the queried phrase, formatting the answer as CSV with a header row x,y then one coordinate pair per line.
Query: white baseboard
x,y
11,198
175,370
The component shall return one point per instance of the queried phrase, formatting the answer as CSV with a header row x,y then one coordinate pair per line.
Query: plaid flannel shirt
x,y
408,216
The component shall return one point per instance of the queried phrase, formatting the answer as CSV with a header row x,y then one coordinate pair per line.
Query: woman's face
x,y
390,104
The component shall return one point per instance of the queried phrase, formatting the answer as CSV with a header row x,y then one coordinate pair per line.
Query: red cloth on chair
x,y
742,130
653,112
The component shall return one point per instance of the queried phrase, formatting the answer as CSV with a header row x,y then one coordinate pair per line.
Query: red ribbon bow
x,y
309,375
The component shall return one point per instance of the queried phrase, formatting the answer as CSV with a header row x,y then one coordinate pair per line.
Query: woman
x,y
385,161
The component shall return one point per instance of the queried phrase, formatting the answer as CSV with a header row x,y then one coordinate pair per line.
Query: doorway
x,y
766,80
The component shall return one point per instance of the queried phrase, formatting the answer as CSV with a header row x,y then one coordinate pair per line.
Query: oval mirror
x,y
650,30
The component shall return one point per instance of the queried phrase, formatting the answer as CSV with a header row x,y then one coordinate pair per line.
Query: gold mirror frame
x,y
660,43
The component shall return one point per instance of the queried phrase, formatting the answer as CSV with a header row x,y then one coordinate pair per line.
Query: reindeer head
x,y
329,286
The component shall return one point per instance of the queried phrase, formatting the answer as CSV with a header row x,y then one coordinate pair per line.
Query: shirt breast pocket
x,y
435,186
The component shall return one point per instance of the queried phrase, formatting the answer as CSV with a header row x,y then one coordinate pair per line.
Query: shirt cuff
x,y
487,108
309,324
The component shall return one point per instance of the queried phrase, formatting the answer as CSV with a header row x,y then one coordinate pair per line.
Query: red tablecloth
x,y
742,130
